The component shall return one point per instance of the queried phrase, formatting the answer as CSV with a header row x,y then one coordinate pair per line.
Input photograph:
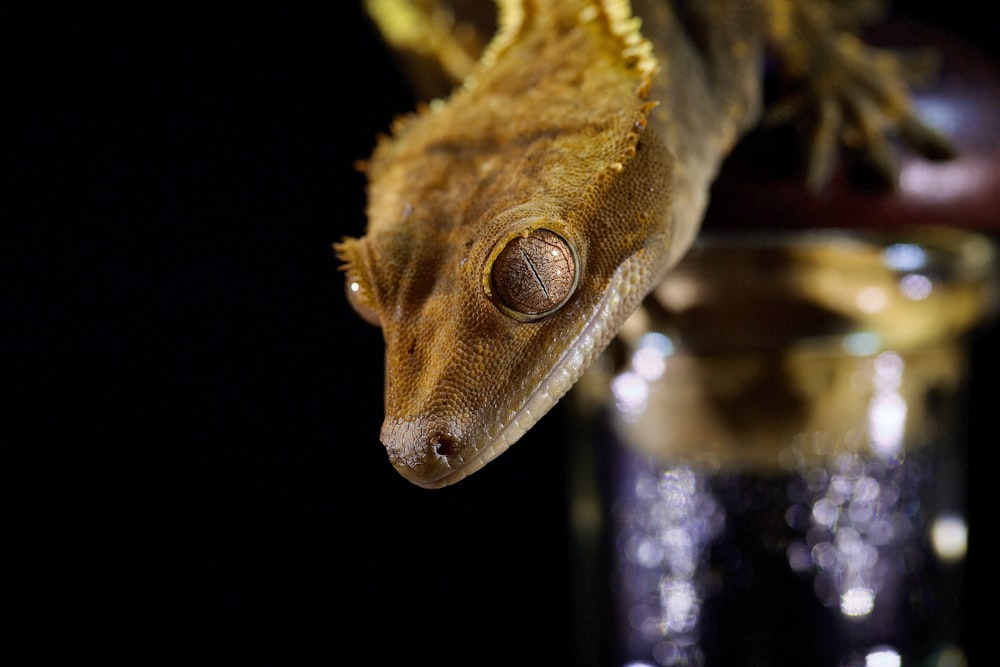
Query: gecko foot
x,y
854,96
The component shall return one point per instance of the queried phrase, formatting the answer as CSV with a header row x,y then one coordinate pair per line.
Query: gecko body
x,y
516,224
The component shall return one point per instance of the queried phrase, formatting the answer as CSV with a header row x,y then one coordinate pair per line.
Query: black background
x,y
193,448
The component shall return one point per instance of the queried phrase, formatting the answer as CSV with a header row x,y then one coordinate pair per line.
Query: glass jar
x,y
779,473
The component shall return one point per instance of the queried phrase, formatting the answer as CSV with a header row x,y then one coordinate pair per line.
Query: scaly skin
x,y
573,121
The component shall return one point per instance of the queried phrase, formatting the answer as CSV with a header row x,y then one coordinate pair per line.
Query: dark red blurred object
x,y
762,185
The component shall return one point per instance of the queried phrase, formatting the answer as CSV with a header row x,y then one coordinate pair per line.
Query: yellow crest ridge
x,y
627,27
510,18
617,15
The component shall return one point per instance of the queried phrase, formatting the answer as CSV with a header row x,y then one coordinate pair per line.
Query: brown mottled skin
x,y
577,121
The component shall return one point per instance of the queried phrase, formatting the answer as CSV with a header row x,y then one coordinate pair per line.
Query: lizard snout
x,y
423,452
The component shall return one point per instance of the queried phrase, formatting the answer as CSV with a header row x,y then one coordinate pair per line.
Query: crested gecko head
x,y
512,230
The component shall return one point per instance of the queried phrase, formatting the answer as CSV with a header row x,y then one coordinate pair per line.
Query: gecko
x,y
516,222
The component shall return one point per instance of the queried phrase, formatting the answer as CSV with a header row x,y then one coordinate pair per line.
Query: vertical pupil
x,y
534,274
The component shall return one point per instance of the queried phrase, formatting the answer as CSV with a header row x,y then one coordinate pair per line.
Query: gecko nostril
x,y
444,446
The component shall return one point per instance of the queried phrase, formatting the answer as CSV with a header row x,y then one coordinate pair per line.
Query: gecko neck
x,y
708,94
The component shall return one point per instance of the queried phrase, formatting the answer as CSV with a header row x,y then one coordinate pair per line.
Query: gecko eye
x,y
357,298
534,275
355,255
